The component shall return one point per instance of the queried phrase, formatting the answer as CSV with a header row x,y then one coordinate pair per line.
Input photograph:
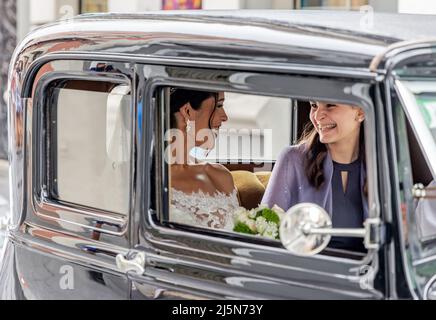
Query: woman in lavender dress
x,y
327,167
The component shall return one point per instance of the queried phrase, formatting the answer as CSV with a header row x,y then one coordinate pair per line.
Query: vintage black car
x,y
90,190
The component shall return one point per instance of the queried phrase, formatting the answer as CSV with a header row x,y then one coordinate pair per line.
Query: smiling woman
x,y
202,194
326,168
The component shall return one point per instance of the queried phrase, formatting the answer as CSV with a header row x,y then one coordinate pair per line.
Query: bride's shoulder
x,y
216,169
220,176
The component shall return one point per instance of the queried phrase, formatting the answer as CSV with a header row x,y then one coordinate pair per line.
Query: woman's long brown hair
x,y
315,153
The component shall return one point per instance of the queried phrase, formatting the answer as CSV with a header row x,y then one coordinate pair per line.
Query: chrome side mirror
x,y
306,230
295,229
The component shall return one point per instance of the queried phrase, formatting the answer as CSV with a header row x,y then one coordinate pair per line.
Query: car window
x,y
419,99
416,110
91,130
235,167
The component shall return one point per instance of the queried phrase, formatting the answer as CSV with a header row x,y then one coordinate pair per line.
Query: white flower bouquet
x,y
260,221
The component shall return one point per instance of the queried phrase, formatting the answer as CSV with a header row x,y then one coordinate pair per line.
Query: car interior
x,y
251,178
420,171
252,182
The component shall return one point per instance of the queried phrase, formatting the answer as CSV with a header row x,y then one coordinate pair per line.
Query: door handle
x,y
133,261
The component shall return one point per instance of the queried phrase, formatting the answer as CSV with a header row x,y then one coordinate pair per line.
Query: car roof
x,y
391,27
340,39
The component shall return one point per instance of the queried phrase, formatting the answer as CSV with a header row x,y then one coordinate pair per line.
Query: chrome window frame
x,y
394,60
425,139
163,172
49,208
156,231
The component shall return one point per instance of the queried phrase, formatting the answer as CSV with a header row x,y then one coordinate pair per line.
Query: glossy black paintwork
x,y
271,53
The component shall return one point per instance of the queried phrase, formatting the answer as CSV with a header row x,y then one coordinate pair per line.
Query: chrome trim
x,y
390,256
339,232
399,48
417,263
370,259
395,60
54,209
430,289
73,248
168,277
154,259
402,241
372,229
34,68
210,63
425,139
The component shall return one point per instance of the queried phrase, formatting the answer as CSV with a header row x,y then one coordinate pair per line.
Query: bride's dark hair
x,y
315,153
179,97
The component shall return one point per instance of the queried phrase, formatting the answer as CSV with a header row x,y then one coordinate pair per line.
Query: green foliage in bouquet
x,y
261,221
243,228
269,215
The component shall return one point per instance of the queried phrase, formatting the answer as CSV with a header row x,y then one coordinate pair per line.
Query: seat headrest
x,y
251,187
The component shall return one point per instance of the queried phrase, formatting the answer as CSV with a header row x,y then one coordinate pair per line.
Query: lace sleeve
x,y
202,209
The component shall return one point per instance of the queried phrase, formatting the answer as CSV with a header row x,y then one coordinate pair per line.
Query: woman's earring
x,y
188,126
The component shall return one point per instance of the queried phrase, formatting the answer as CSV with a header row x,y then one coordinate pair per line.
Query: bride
x,y
201,194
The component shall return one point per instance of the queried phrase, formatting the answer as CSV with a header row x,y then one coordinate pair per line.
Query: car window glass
x,y
92,150
233,168
417,110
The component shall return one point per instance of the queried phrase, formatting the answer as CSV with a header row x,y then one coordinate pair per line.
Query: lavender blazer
x,y
289,185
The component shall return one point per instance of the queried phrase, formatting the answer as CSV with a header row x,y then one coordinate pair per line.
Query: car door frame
x,y
406,254
45,234
168,271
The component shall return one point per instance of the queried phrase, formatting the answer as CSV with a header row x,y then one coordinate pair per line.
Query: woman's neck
x,y
180,149
344,151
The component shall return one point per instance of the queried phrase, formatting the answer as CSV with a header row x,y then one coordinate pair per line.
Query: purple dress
x,y
289,185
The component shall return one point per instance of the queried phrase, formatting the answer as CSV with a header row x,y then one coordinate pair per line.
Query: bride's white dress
x,y
204,210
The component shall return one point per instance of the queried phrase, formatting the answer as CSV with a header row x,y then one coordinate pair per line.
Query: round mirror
x,y
296,225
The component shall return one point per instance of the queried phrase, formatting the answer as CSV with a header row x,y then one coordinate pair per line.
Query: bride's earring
x,y
359,119
188,126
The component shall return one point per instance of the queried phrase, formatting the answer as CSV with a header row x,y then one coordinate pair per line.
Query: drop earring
x,y
188,126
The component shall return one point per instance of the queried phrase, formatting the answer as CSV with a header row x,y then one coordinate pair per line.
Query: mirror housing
x,y
307,229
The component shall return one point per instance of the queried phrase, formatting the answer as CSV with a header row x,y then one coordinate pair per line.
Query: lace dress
x,y
204,210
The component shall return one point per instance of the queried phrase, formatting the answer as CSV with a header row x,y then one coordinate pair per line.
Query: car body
x,y
63,249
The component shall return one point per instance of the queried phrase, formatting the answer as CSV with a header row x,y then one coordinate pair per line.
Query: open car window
x,y
237,162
